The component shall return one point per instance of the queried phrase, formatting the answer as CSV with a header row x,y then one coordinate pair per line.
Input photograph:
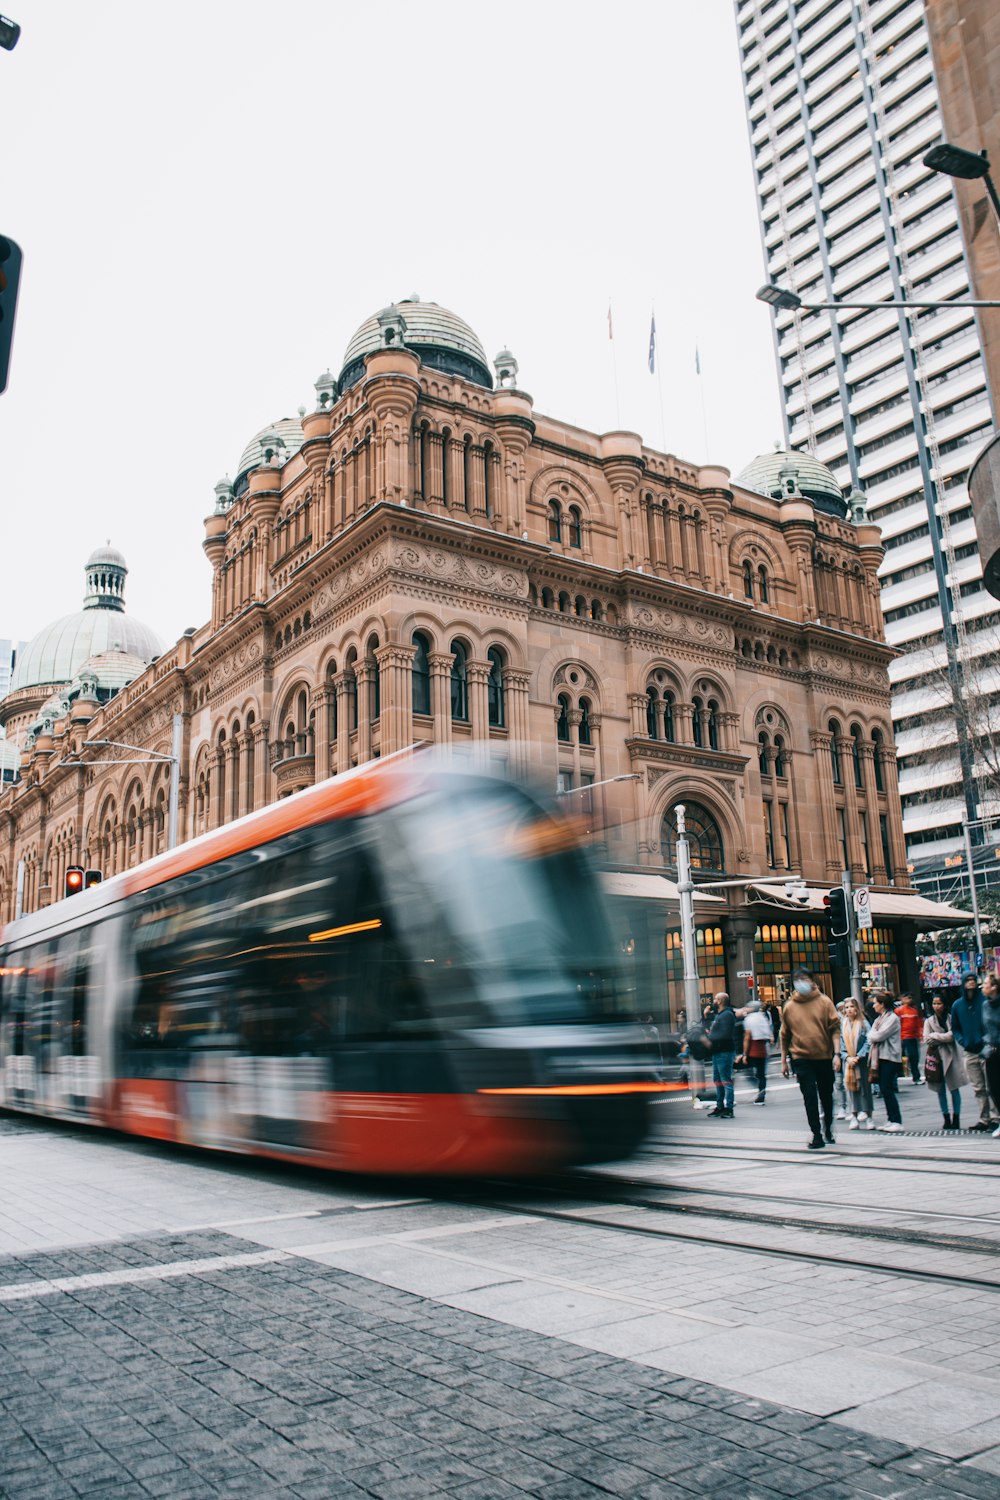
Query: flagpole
x,y
704,409
659,381
614,368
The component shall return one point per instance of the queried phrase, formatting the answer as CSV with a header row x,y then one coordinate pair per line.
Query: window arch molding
x,y
706,838
557,483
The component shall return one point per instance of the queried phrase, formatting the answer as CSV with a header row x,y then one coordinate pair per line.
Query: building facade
x,y
425,558
842,103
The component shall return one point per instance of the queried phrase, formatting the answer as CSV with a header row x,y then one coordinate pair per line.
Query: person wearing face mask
x,y
810,1030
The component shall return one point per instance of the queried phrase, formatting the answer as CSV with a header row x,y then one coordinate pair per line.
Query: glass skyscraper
x,y
842,105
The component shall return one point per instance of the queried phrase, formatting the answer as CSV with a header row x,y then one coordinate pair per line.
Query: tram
x,y
405,969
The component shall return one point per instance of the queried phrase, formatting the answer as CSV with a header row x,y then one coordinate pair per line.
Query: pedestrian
x,y
722,1035
839,1091
810,1027
757,1037
967,1028
697,1051
991,1038
885,1058
853,1060
911,1028
944,1061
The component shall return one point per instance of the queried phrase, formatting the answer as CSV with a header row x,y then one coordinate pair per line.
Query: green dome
x,y
285,437
56,654
438,337
787,473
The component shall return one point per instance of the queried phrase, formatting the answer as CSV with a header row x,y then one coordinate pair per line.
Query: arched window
x,y
763,759
580,607
555,521
879,744
762,584
548,599
652,728
575,527
585,721
421,675
596,613
856,753
488,451
376,684
446,466
459,682
467,472
704,840
697,724
779,756
668,717
713,724
748,580
495,658
834,730
562,723
565,604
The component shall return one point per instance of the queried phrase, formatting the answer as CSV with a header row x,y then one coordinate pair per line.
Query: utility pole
x,y
974,899
853,942
685,894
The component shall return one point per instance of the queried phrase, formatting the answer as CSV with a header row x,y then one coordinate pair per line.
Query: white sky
x,y
211,197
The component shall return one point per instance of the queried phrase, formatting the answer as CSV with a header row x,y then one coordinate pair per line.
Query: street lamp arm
x,y
569,791
121,745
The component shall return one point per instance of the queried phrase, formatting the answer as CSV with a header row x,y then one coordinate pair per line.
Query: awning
x,y
648,888
930,914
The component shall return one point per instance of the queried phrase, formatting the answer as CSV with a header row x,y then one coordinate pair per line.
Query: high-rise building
x,y
842,105
9,652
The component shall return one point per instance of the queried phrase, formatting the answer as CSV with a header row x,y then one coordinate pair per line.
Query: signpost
x,y
863,907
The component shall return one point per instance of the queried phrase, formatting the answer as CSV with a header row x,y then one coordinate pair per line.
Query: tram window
x,y
41,1019
78,1006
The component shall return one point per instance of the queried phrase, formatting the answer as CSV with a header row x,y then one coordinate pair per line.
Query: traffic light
x,y
91,878
835,902
10,277
74,880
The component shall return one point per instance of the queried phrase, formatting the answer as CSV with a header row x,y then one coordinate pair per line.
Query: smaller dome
x,y
107,556
285,436
787,472
111,670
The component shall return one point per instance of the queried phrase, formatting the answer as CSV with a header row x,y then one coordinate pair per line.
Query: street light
x,y
143,757
567,791
956,161
784,300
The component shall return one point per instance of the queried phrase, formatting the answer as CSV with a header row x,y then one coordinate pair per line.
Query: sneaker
x,y
816,1144
728,1114
869,1124
891,1128
853,1125
862,1116
697,1104
841,1115
715,1113
981,1125
760,1099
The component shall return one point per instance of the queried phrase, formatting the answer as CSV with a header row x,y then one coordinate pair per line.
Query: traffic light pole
x,y
852,939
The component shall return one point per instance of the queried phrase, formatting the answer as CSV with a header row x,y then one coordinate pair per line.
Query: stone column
x,y
364,677
435,460
875,856
454,458
821,744
396,671
343,684
146,850
479,704
638,704
729,724
845,744
261,765
739,931
476,501
684,723
646,532
232,779
440,663
897,841
515,689
795,836
575,718
217,758
321,703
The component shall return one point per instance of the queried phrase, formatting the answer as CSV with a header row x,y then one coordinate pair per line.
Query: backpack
x,y
698,1044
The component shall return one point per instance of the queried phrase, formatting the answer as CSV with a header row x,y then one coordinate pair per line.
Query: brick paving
x,y
294,1379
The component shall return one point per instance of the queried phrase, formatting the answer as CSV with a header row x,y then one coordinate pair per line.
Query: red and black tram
x,y
405,969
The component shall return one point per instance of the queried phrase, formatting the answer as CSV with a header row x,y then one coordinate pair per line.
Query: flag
x,y
652,343
611,331
697,361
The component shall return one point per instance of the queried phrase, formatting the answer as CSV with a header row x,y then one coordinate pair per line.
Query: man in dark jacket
x,y
810,1028
967,1028
722,1035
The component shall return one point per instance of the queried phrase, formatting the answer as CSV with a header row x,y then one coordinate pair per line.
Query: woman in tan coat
x,y
938,1035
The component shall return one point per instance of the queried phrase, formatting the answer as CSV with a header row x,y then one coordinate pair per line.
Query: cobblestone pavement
x,y
183,1326
292,1379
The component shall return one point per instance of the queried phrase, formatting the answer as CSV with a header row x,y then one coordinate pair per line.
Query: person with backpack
x,y
967,1029
697,1051
722,1036
991,1038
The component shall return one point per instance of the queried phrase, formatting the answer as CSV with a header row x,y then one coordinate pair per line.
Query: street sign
x,y
863,907
744,973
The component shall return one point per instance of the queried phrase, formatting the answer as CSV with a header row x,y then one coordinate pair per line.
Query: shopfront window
x,y
780,947
879,966
711,957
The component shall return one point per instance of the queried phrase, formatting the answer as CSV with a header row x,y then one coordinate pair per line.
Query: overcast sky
x,y
211,197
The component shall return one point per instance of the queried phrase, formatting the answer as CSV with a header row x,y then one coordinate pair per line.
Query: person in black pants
x,y
991,1038
810,1029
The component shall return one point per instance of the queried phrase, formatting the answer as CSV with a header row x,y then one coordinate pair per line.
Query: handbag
x,y
933,1071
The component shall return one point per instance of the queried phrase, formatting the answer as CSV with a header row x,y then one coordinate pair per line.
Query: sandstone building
x,y
425,557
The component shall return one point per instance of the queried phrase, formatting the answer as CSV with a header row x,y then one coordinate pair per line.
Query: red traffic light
x,y
74,880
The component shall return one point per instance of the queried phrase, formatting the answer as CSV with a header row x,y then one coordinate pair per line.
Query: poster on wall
x,y
941,971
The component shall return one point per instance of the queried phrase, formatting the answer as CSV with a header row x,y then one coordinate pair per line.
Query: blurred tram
x,y
405,969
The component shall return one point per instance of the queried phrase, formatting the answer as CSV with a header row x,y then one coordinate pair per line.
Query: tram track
x,y
755,1151
519,1199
